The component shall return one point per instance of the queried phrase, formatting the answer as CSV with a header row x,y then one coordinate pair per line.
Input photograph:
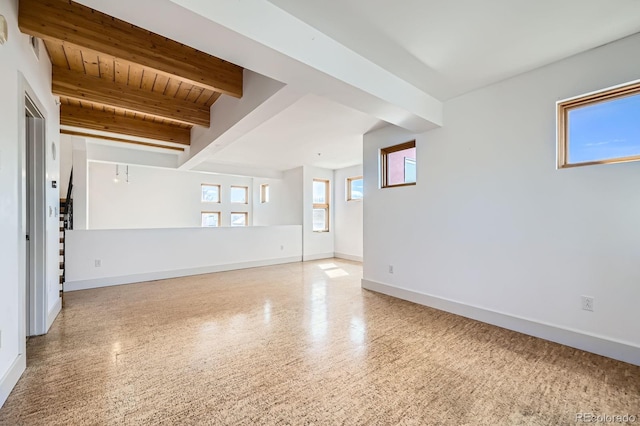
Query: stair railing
x,y
68,205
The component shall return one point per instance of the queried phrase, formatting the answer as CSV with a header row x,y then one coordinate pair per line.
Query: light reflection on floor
x,y
358,330
325,266
332,270
267,311
318,321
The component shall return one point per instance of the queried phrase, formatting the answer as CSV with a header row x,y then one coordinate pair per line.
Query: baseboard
x,y
347,257
622,351
162,275
318,256
53,313
11,377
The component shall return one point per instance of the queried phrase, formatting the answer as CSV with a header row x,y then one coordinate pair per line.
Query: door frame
x,y
28,100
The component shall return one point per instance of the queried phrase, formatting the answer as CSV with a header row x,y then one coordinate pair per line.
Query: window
x,y
355,188
239,219
210,219
239,194
398,165
264,193
600,128
320,205
210,193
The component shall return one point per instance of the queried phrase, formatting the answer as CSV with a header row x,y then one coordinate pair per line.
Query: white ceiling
x,y
448,47
313,131
362,61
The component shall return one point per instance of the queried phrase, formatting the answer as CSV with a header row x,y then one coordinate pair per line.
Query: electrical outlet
x,y
391,269
587,303
98,263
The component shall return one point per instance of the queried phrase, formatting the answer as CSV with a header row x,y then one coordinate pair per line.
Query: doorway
x,y
34,217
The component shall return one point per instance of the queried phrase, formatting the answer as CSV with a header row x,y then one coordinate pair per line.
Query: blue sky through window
x,y
357,189
605,130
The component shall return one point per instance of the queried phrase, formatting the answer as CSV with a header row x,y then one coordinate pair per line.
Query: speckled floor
x,y
298,344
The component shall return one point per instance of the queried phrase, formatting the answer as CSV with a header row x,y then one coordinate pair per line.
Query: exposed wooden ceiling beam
x,y
83,87
109,138
86,28
99,120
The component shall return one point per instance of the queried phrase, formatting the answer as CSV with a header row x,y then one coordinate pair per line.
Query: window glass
x,y
355,188
604,130
238,219
319,191
264,193
320,220
410,169
239,194
320,205
210,219
398,165
210,193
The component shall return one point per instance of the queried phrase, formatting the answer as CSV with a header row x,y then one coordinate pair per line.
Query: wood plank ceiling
x,y
115,77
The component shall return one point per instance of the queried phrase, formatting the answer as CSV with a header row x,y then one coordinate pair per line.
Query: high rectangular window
x,y
239,219
264,193
320,205
210,193
398,165
599,128
210,219
355,188
239,194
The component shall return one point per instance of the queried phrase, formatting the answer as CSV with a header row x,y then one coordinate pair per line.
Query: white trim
x,y
53,313
39,293
595,92
318,256
348,257
162,275
11,377
601,345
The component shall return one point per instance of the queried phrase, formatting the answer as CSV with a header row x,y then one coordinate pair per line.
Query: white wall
x,y
66,163
16,60
117,152
280,209
134,255
316,245
156,197
293,187
493,231
348,216
80,182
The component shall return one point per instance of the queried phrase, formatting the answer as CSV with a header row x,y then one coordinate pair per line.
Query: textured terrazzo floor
x,y
298,344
